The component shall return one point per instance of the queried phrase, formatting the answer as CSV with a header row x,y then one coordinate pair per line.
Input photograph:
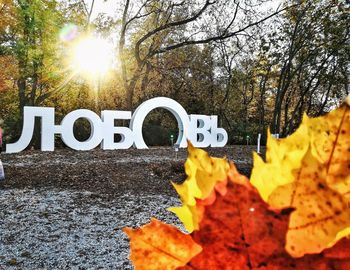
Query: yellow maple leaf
x,y
189,216
320,212
161,245
329,137
189,189
282,157
320,146
330,144
203,174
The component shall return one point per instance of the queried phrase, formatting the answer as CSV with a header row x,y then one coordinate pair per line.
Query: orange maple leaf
x,y
238,231
160,246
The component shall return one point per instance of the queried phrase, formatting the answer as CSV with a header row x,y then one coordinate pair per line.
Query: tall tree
x,y
31,40
171,25
313,56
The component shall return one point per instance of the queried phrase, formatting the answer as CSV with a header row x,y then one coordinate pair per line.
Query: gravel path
x,y
65,210
52,229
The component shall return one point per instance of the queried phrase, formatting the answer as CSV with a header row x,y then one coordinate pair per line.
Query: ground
x,y
65,209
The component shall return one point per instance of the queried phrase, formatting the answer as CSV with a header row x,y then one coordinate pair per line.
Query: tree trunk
x,y
21,84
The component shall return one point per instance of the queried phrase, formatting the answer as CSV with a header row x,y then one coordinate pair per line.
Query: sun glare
x,y
93,57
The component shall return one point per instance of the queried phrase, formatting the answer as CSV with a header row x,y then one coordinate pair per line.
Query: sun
x,y
92,57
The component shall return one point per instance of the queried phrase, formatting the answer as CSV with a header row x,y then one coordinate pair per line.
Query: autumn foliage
x,y
293,213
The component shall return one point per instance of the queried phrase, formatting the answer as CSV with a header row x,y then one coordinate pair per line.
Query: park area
x,y
66,209
86,86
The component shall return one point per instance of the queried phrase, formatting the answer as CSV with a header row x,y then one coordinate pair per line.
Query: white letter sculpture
x,y
201,130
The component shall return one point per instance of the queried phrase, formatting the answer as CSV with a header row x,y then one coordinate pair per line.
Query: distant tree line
x,y
255,68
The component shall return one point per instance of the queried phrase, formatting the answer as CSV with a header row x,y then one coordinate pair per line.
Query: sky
x,y
108,7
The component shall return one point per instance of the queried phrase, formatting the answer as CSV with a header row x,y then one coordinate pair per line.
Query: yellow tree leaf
x,y
330,143
320,212
160,246
282,157
329,137
204,173
188,215
325,143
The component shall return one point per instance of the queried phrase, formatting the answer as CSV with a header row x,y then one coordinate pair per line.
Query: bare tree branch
x,y
166,26
85,7
90,12
219,37
138,14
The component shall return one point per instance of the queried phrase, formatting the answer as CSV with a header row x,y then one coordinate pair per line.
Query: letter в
x,y
200,126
